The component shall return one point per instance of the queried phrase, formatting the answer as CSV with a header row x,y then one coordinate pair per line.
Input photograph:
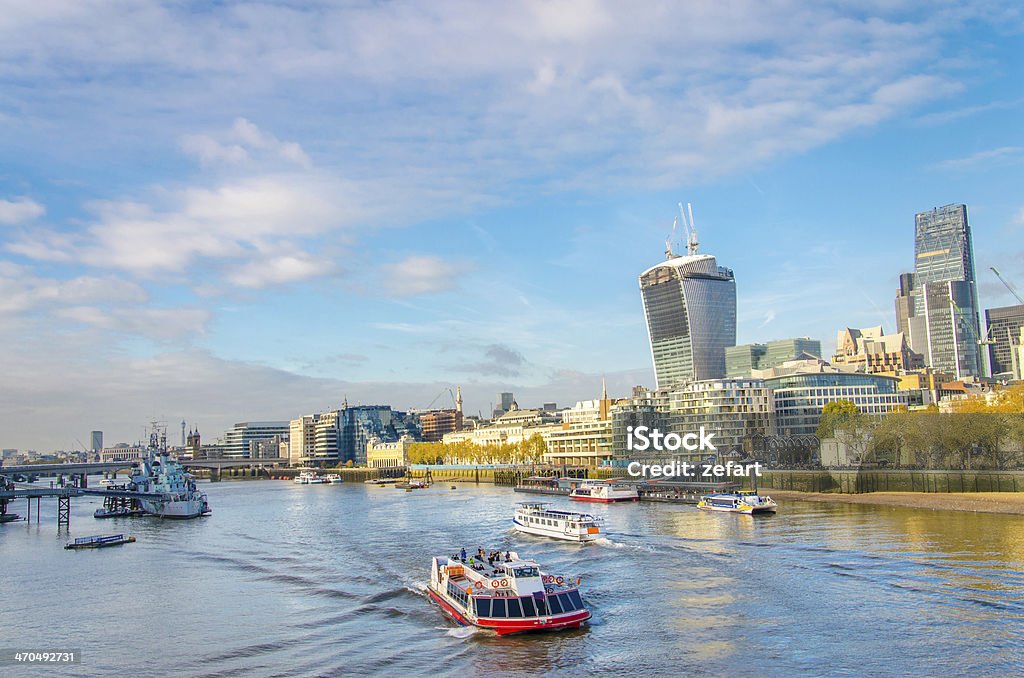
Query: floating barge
x,y
99,541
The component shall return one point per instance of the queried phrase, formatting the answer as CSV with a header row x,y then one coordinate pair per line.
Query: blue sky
x,y
223,211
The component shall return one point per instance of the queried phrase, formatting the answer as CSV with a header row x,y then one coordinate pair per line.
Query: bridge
x,y
10,492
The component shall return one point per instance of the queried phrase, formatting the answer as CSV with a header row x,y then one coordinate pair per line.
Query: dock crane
x,y
1008,285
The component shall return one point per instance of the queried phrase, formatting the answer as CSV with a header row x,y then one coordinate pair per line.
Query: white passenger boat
x,y
534,517
508,596
606,491
159,473
747,502
310,478
333,479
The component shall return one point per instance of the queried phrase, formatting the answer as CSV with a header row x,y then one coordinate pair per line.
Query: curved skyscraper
x,y
690,305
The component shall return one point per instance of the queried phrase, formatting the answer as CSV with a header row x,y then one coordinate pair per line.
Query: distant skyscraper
x,y
741,361
1004,325
937,305
97,441
690,306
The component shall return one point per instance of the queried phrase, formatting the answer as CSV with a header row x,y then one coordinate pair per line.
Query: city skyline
x,y
223,228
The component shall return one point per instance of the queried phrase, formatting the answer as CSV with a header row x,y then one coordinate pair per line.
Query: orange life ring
x,y
548,578
559,580
504,583
495,584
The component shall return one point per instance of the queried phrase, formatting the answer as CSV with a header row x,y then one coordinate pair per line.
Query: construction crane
x,y
443,391
1008,285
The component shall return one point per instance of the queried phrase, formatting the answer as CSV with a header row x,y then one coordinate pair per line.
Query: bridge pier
x,y
214,475
63,511
83,480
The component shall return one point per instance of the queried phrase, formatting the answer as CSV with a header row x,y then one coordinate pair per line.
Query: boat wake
x,y
461,632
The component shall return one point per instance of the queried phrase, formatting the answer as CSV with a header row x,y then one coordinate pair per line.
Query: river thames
x,y
289,580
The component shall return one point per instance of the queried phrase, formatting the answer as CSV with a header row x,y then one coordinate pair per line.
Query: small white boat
x,y
746,502
310,478
333,479
533,517
605,491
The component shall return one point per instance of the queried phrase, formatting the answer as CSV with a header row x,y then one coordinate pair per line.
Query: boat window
x,y
556,607
483,607
528,608
514,609
577,602
567,605
542,608
498,608
526,572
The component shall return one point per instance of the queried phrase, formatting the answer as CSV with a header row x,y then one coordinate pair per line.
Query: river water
x,y
288,580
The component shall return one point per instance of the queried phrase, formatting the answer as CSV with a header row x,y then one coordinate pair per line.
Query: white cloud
x,y
286,268
160,324
261,219
416,275
237,146
20,210
993,156
21,291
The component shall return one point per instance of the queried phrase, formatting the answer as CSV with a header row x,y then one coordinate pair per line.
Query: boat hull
x,y
602,500
581,538
504,627
176,510
745,510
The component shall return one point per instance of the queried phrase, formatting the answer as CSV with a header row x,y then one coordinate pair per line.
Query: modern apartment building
x,y
252,439
732,409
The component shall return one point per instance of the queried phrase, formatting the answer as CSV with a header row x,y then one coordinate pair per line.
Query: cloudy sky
x,y
227,211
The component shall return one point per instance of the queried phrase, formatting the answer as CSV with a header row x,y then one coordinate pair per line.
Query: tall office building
x,y
97,442
690,306
937,305
1004,325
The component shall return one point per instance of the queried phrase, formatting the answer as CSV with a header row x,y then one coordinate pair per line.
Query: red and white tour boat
x,y
606,491
508,596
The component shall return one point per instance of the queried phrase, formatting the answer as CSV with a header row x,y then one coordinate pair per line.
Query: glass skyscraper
x,y
690,306
937,307
1004,326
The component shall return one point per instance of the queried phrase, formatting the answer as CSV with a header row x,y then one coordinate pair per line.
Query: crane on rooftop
x,y
1008,285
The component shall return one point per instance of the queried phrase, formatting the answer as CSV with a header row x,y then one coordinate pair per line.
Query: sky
x,y
216,212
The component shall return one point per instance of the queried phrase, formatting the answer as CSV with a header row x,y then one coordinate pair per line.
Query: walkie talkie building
x,y
690,306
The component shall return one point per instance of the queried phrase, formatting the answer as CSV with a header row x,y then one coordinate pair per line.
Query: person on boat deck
x,y
508,557
462,554
480,552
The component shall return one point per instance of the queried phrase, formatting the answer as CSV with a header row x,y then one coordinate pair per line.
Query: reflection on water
x,y
286,580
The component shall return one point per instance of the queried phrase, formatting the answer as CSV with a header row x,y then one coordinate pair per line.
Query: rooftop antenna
x,y
691,229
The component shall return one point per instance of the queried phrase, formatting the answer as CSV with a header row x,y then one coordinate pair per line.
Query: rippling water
x,y
287,580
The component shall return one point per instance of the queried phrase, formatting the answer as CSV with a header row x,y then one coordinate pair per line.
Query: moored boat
x,y
333,479
747,502
534,517
605,491
99,541
509,596
310,478
160,474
